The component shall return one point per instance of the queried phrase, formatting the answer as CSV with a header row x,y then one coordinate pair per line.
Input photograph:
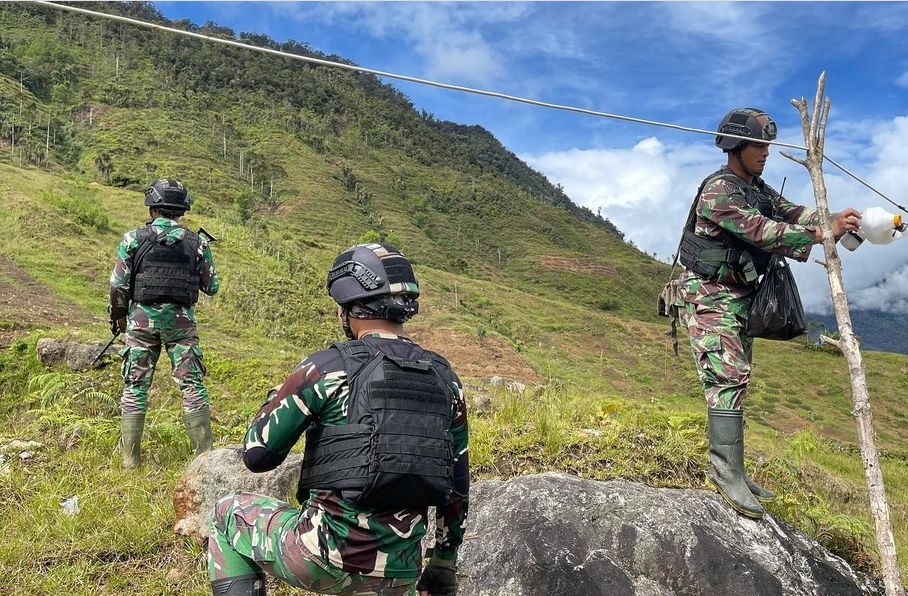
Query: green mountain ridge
x,y
875,329
436,184
289,163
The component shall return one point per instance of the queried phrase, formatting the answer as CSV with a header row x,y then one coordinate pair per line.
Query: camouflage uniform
x,y
715,311
330,545
153,326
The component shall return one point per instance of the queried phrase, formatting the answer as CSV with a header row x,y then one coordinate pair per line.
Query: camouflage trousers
x,y
251,533
140,357
722,354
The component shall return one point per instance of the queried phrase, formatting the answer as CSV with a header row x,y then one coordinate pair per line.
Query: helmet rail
x,y
753,123
167,193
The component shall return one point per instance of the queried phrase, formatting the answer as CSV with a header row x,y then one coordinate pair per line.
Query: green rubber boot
x,y
726,458
131,428
198,427
762,494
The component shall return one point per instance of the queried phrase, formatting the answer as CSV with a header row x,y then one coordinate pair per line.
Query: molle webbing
x,y
165,272
704,256
396,450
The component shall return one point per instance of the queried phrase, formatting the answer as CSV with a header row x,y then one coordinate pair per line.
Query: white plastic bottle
x,y
878,226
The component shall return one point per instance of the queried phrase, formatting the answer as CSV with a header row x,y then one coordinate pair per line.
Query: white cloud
x,y
902,79
889,295
451,41
646,191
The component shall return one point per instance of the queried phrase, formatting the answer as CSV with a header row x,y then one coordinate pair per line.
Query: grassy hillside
x,y
329,152
605,397
517,283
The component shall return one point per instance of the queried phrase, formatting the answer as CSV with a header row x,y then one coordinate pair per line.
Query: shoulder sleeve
x,y
209,281
121,275
309,394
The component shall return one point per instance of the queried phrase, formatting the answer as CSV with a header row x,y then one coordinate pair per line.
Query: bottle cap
x,y
851,240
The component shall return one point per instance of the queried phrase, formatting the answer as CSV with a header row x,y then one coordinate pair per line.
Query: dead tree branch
x,y
814,129
825,339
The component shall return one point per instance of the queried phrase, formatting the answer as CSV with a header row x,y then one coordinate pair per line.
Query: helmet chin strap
x,y
345,324
737,155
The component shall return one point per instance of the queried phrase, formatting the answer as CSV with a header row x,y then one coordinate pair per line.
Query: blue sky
x,y
682,63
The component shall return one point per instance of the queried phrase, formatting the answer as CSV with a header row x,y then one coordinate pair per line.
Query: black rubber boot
x,y
726,458
244,585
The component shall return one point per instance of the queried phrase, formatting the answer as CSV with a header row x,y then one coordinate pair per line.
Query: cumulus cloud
x,y
646,191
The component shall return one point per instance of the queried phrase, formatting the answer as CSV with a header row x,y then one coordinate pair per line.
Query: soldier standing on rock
x,y
736,224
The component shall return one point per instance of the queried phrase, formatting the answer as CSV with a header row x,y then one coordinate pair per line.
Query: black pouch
x,y
691,253
776,311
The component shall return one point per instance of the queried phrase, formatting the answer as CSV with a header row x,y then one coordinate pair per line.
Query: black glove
x,y
117,319
439,578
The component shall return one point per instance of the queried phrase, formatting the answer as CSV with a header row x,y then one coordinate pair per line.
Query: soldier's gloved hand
x,y
118,326
439,578
117,319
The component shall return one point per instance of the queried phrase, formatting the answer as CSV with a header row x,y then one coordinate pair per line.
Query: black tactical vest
x,y
165,272
396,450
704,255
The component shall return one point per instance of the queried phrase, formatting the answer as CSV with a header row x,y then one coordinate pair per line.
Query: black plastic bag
x,y
776,311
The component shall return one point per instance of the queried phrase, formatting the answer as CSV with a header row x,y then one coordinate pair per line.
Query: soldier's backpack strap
x,y
691,220
356,354
143,236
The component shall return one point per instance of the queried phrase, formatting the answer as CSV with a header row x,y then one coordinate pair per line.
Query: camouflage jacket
x,y
722,210
158,315
377,543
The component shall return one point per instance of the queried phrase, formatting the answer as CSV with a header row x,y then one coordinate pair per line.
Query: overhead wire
x,y
441,85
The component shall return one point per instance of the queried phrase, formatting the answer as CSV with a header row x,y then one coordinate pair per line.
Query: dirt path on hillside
x,y
473,357
26,303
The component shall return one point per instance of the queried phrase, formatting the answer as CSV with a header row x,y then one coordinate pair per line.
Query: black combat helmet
x,y
374,281
745,122
168,194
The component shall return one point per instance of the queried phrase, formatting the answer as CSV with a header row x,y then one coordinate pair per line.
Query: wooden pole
x,y
814,129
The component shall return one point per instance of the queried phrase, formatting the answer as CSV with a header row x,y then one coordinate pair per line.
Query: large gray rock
x,y
558,535
77,356
221,472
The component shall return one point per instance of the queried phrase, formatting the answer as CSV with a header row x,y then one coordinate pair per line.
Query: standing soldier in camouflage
x,y
159,271
737,222
376,401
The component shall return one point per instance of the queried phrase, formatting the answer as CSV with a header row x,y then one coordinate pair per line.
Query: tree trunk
x,y
814,129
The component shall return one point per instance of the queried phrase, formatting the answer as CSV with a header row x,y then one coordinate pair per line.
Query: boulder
x,y
221,472
559,535
555,534
78,356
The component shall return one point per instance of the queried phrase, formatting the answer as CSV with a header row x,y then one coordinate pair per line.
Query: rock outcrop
x,y
559,535
78,356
